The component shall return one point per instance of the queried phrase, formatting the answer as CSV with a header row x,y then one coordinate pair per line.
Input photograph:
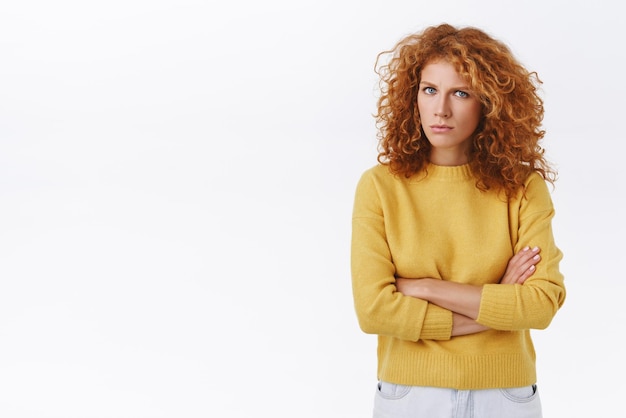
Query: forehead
x,y
441,71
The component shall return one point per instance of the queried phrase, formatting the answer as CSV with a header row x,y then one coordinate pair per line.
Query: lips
x,y
440,128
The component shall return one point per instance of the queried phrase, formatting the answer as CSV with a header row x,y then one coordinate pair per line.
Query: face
x,y
449,113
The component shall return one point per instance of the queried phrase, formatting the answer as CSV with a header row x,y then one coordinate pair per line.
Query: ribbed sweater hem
x,y
463,372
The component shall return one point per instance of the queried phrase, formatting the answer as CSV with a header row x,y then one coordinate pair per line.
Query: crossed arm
x,y
464,299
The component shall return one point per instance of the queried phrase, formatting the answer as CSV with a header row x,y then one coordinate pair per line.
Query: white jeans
x,y
400,401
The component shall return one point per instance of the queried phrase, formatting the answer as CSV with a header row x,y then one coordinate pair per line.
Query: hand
x,y
405,286
462,325
521,266
411,287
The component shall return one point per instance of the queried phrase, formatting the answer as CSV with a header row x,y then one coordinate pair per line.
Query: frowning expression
x,y
449,112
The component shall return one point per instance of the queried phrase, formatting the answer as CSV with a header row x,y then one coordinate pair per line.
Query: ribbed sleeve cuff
x,y
437,324
497,306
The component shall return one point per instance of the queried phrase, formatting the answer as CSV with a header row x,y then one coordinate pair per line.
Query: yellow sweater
x,y
438,224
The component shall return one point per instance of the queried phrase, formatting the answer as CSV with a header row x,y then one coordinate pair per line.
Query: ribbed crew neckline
x,y
445,173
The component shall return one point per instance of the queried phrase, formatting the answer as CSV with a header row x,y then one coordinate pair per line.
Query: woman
x,y
453,255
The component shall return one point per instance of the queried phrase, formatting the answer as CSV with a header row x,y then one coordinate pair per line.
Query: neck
x,y
444,159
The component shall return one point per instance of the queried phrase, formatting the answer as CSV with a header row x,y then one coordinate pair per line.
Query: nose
x,y
442,109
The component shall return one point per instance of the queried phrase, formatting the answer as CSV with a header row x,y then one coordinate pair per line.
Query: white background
x,y
176,183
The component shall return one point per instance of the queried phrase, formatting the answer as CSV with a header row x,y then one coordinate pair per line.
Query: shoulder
x,y
373,188
376,175
377,172
536,184
536,193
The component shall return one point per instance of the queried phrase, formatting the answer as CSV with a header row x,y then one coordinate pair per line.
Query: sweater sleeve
x,y
533,304
379,307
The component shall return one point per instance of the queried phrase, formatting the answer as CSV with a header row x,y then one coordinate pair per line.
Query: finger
x,y
526,274
529,265
524,257
528,252
521,266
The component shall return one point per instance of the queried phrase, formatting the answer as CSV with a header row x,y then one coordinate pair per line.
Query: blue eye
x,y
460,93
429,90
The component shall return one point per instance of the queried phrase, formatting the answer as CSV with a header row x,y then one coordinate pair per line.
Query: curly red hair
x,y
506,145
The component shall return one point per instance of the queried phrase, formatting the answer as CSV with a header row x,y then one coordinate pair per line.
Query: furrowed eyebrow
x,y
429,84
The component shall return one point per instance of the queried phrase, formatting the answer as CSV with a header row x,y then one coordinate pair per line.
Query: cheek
x,y
420,105
475,115
423,102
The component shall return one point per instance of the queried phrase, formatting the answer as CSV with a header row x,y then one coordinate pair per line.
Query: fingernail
x,y
536,257
535,248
